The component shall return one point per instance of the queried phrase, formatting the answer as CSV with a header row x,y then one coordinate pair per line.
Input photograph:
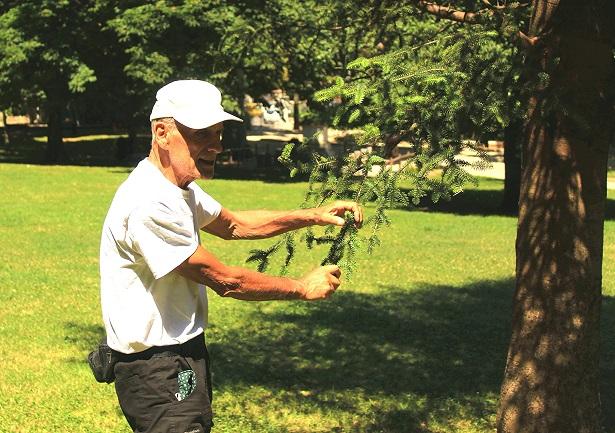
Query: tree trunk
x,y
55,146
6,138
513,134
551,380
296,113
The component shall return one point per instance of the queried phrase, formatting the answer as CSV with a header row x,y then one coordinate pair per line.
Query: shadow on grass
x,y
83,336
439,342
485,201
26,148
607,363
95,147
98,147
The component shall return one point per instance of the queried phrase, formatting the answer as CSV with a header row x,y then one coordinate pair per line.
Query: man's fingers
x,y
332,219
339,207
321,282
358,214
334,280
333,270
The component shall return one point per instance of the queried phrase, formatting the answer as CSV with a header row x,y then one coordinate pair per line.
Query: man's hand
x,y
321,282
334,213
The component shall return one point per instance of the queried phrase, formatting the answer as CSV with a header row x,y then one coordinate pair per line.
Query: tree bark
x,y
551,380
55,146
296,113
56,97
6,138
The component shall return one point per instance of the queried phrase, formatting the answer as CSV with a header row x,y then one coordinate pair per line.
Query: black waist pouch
x,y
102,360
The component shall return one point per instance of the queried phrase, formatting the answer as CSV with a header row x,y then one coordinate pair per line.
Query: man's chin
x,y
206,170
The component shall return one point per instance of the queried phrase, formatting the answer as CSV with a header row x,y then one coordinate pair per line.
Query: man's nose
x,y
216,146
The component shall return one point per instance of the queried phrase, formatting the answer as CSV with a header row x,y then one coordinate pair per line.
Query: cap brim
x,y
204,120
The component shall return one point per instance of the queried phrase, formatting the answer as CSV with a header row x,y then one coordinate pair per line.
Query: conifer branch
x,y
415,94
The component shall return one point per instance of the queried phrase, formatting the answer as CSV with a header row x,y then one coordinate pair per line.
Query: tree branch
x,y
492,6
450,13
466,17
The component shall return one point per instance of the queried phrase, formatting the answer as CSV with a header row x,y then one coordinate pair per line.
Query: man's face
x,y
193,152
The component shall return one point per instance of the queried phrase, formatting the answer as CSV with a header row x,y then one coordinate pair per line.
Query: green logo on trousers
x,y
187,384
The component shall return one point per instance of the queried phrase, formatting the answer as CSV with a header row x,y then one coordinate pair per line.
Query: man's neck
x,y
166,171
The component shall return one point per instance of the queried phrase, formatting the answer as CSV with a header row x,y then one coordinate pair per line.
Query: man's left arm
x,y
264,224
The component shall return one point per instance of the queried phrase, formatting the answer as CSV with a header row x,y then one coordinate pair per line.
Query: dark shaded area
x,y
607,363
83,336
470,202
438,342
25,147
276,173
269,175
485,202
117,152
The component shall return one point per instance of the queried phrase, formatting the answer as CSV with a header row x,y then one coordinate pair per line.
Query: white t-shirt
x,y
152,226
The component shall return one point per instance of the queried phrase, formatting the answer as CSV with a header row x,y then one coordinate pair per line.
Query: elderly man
x,y
154,269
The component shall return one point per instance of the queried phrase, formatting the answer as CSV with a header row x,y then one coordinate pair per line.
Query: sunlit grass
x,y
415,342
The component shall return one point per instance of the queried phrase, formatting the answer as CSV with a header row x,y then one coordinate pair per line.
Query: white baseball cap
x,y
193,103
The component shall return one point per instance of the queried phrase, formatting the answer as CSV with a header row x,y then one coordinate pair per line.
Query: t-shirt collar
x,y
148,165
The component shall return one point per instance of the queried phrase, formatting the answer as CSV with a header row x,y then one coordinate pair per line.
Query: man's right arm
x,y
240,283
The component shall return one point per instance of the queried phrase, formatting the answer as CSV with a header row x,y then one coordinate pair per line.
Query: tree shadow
x,y
93,147
470,202
484,202
439,342
607,363
101,149
275,173
84,336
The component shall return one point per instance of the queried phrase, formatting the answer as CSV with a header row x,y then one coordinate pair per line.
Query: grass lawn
x,y
415,342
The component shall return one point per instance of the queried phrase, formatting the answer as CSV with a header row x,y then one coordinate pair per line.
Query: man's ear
x,y
162,130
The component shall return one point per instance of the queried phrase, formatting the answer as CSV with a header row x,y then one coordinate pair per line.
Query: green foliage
x,y
106,58
344,247
437,87
418,95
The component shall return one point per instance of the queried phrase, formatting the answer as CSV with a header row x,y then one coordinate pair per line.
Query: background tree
x,y
239,45
496,101
42,58
244,46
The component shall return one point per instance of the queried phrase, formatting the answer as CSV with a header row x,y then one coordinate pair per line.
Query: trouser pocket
x,y
164,394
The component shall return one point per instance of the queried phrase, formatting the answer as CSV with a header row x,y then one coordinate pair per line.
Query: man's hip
x,y
166,389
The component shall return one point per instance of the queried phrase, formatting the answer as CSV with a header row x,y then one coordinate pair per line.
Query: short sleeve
x,y
207,208
163,236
